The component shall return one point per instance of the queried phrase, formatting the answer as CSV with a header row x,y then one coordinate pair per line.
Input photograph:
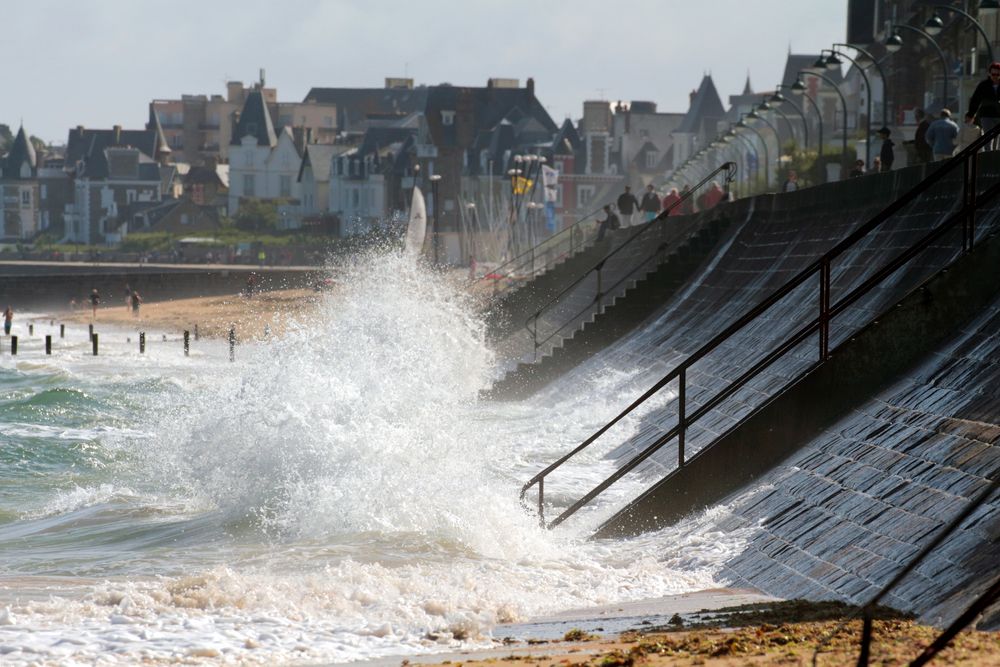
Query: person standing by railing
x,y
650,203
609,223
942,135
627,205
670,200
984,104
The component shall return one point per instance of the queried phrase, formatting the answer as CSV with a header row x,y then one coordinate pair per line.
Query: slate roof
x,y
796,62
320,157
705,106
255,121
21,151
354,105
85,144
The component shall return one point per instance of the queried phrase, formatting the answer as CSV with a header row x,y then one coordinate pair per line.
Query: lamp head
x,y
799,86
753,114
833,61
934,25
894,43
763,106
777,98
819,65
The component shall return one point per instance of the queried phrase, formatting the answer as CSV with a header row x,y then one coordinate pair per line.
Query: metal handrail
x,y
728,167
821,323
533,251
868,609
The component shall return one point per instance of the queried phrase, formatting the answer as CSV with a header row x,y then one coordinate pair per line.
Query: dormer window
x,y
447,117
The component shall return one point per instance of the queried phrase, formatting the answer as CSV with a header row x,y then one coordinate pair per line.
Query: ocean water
x,y
337,494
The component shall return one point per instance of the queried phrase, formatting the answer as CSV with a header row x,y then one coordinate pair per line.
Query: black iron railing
x,y
531,324
543,256
819,271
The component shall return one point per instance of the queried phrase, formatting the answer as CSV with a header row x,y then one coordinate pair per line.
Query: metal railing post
x,y
971,202
681,416
541,500
824,310
866,639
597,297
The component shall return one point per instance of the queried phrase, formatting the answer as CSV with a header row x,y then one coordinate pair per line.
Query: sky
x,y
98,63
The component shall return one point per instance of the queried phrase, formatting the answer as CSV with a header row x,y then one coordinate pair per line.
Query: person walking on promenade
x,y
791,183
886,156
8,320
984,105
968,133
610,222
920,143
712,197
650,203
95,300
670,202
627,205
942,136
687,205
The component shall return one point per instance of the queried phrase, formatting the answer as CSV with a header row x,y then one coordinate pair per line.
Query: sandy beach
x,y
213,316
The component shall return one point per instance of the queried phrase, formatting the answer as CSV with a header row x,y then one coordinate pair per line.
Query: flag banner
x,y
550,179
521,185
550,216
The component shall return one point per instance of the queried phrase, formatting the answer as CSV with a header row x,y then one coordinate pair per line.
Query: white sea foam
x,y
373,500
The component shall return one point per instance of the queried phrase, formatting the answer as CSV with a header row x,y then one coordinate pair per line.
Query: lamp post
x,y
934,24
833,62
765,106
865,59
435,179
756,156
777,98
843,101
755,115
742,124
894,43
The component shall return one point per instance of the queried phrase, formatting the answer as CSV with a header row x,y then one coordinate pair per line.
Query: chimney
x,y
530,85
79,130
692,96
118,134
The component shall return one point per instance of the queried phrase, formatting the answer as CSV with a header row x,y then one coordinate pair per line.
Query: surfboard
x,y
416,230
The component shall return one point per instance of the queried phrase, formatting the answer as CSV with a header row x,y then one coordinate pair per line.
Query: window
x,y
184,219
44,192
355,198
248,158
328,121
252,129
584,194
447,117
25,198
249,186
285,185
652,158
130,196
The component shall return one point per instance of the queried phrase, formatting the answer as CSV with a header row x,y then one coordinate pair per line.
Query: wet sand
x,y
212,315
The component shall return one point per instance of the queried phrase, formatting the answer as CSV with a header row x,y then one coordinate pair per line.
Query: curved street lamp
x,y
895,43
742,124
777,98
935,24
833,62
865,59
843,101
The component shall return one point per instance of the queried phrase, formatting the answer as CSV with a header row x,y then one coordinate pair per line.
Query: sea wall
x,y
841,517
53,285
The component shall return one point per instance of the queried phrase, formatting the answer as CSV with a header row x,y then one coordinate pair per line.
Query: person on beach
x,y
251,283
135,302
650,203
128,297
95,300
8,319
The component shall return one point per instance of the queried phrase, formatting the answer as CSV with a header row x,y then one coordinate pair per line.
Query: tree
x,y
257,216
6,138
